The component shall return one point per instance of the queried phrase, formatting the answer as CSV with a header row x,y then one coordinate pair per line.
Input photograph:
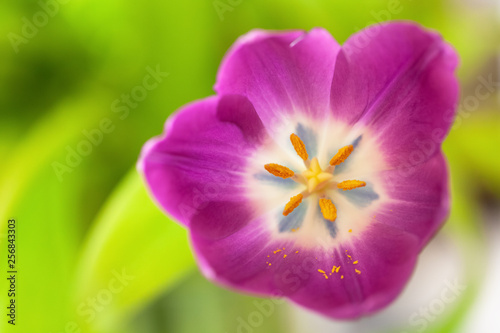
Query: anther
x,y
350,184
328,209
342,155
299,146
279,170
292,204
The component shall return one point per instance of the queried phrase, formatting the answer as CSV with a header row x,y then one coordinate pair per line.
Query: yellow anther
x,y
342,155
337,270
354,263
357,271
279,170
315,178
328,209
350,184
292,204
299,146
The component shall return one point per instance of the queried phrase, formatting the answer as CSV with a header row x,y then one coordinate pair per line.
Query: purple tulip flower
x,y
316,172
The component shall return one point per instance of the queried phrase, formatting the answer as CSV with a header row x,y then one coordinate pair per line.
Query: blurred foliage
x,y
77,228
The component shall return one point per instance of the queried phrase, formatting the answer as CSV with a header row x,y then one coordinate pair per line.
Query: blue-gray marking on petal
x,y
267,177
331,226
356,141
293,220
342,166
361,196
308,136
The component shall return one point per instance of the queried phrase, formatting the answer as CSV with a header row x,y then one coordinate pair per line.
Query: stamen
x,y
299,146
350,184
292,204
279,170
328,209
342,155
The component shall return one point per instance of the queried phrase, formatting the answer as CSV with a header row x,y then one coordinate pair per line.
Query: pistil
x,y
314,178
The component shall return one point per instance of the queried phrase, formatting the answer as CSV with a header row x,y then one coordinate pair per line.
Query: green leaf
x,y
133,239
46,139
46,244
473,143
217,310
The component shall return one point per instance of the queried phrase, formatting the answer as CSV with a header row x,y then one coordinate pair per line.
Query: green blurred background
x,y
94,254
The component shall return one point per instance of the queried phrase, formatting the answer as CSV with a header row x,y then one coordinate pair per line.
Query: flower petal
x,y
385,258
251,260
281,73
419,198
398,80
202,154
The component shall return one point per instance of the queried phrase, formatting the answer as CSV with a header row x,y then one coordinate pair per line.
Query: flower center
x,y
315,179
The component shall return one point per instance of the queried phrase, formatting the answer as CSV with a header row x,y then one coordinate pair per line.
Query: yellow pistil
x,y
350,184
317,180
342,155
292,204
328,209
279,170
299,146
315,175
